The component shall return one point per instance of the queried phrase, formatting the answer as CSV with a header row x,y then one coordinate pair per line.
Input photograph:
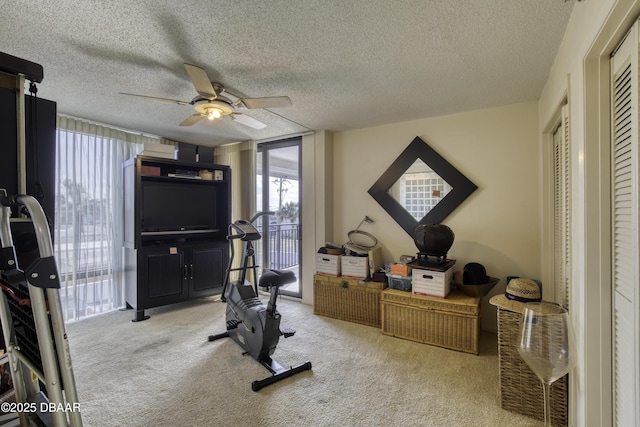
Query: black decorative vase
x,y
433,239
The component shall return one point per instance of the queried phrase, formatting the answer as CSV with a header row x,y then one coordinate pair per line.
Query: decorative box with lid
x,y
432,272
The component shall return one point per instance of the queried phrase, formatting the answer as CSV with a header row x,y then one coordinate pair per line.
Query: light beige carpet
x,y
164,372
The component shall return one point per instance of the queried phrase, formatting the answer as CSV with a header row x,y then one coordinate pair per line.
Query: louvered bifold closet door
x,y
625,253
562,228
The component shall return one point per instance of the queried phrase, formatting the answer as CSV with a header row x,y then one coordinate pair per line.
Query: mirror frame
x,y
419,149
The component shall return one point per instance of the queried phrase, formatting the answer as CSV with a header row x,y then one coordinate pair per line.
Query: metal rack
x,y
33,326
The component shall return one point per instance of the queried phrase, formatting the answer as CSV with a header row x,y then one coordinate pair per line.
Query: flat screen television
x,y
179,206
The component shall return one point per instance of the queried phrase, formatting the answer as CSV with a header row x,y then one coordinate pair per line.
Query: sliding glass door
x,y
278,191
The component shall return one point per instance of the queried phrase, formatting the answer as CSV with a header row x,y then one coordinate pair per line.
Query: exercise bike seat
x,y
276,278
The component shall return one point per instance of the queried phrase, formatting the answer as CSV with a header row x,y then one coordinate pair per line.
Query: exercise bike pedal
x,y
287,332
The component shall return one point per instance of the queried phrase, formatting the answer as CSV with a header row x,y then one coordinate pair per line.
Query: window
x,y
88,235
278,190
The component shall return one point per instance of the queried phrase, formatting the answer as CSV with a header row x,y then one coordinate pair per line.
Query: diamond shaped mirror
x,y
420,187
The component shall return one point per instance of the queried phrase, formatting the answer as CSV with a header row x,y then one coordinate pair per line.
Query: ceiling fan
x,y
210,102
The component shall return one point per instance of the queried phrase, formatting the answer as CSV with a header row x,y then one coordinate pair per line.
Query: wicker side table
x,y
520,388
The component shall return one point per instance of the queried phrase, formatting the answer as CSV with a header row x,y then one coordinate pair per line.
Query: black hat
x,y
474,274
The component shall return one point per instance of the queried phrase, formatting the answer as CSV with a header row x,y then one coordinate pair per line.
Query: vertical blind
x,y
241,157
88,233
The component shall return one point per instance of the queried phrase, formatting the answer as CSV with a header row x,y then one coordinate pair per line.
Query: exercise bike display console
x,y
247,231
255,326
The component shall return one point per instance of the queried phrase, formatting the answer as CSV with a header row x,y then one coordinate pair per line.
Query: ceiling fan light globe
x,y
213,113
215,109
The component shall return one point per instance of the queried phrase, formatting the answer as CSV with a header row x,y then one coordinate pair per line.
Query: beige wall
x,y
497,149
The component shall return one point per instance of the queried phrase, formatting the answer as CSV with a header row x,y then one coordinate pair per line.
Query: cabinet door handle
x,y
191,271
186,272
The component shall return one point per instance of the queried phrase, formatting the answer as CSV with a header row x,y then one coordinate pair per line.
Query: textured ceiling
x,y
345,64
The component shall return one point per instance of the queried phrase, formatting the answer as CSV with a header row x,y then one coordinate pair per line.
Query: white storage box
x,y
356,267
431,283
163,151
328,264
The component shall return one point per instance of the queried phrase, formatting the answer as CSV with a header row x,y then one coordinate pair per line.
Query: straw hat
x,y
519,292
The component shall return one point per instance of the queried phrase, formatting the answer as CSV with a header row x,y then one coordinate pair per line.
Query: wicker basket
x,y
452,322
347,299
520,388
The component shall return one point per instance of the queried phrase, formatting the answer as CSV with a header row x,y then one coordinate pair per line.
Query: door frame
x,y
264,148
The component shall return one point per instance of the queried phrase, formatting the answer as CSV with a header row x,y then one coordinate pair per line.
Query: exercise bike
x,y
255,326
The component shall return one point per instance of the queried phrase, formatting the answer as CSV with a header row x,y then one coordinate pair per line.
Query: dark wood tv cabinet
x,y
175,231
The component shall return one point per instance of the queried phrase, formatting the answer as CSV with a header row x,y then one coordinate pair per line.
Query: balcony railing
x,y
283,245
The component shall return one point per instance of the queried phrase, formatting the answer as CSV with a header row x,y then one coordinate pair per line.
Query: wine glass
x,y
547,344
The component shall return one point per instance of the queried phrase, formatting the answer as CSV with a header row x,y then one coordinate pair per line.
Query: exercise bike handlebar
x,y
245,231
259,214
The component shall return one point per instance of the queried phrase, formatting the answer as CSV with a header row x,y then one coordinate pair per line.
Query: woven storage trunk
x,y
452,323
520,388
347,299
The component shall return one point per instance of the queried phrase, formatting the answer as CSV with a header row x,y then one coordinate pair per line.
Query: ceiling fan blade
x,y
173,101
201,81
248,121
268,102
191,120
